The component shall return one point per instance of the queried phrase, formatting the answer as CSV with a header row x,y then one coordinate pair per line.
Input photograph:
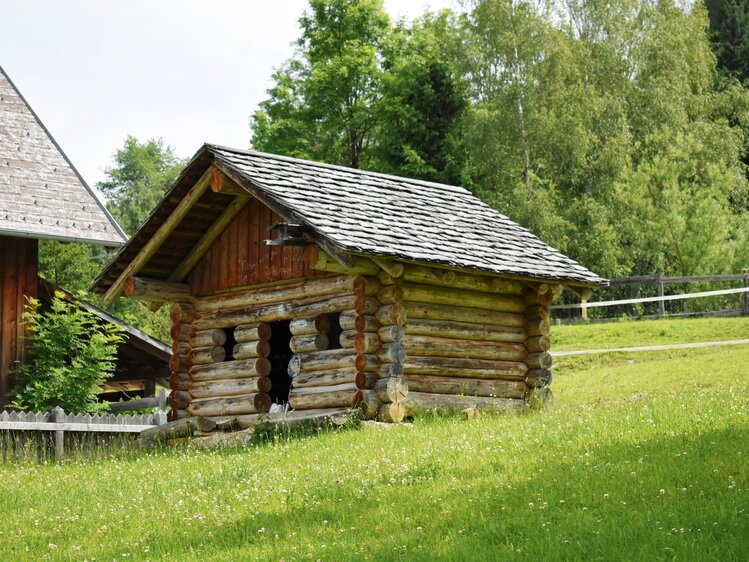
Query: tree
x,y
321,104
421,103
69,266
73,353
603,129
135,184
729,30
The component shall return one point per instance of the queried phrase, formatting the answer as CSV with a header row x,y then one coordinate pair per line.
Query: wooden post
x,y
58,416
746,295
584,309
162,400
661,304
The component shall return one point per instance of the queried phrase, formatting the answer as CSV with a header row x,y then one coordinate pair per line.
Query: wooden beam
x,y
213,232
391,267
289,215
154,243
156,290
224,185
583,292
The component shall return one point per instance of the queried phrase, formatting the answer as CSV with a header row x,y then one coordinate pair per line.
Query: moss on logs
x,y
421,402
322,396
451,297
231,387
466,331
430,346
247,368
468,386
247,404
470,368
424,311
455,279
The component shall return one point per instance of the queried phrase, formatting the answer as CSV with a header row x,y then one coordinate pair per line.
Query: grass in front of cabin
x,y
644,457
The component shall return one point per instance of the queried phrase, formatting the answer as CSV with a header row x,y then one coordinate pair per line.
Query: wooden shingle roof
x,y
413,220
41,193
351,212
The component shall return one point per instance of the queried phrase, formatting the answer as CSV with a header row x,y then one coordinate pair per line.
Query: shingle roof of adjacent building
x,y
41,193
370,213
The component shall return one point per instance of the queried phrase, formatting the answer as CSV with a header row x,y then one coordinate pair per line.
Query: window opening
x,y
334,333
229,344
280,355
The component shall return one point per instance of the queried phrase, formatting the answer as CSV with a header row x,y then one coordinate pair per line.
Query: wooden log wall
x,y
18,280
391,346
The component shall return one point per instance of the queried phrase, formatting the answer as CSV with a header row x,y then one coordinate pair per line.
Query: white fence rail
x,y
20,431
586,305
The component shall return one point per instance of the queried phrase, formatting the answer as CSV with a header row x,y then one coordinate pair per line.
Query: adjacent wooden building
x,y
42,196
322,288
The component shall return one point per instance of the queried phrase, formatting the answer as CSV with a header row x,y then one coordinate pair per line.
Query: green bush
x,y
72,353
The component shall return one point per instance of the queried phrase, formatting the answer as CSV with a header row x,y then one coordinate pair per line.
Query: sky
x,y
188,71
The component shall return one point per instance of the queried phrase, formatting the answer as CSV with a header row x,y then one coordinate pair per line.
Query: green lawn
x,y
648,332
644,457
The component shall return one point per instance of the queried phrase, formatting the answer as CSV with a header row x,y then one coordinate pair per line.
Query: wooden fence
x,y
660,282
28,435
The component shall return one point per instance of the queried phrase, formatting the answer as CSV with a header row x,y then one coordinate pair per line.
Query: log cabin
x,y
320,288
42,196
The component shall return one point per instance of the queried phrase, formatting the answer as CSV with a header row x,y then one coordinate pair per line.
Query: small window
x,y
334,333
229,345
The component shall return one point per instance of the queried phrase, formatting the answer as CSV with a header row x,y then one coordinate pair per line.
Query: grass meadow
x,y
643,457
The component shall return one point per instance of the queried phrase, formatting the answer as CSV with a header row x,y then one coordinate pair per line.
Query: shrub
x,y
72,353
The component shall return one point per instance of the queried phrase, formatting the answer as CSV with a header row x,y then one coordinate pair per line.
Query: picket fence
x,y
30,435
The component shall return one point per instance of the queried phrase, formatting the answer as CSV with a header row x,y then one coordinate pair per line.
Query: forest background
x,y
615,131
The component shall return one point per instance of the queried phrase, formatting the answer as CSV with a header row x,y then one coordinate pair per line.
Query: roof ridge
x,y
250,152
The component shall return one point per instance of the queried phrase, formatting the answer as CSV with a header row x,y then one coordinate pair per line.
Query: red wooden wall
x,y
239,258
18,279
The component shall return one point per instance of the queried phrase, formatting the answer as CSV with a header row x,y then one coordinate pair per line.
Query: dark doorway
x,y
280,355
334,334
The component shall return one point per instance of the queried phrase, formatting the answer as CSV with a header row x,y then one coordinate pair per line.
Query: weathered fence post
x,y
58,416
661,304
745,274
162,400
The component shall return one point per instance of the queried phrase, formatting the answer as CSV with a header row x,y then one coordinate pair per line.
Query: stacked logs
x,y
235,384
462,348
325,373
538,327
382,395
181,315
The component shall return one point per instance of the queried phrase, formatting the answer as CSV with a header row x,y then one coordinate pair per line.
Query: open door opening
x,y
280,355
